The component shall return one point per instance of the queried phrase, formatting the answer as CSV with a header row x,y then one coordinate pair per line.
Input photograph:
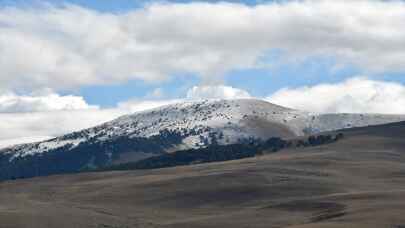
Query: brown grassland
x,y
356,182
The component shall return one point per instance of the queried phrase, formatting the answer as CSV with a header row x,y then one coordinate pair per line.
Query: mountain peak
x,y
184,125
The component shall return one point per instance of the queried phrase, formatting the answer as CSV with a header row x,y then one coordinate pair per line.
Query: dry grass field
x,y
356,182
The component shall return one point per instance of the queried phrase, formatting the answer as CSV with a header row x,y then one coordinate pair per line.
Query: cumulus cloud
x,y
15,141
33,118
355,95
50,102
40,116
44,115
27,119
28,127
194,93
216,92
133,106
47,47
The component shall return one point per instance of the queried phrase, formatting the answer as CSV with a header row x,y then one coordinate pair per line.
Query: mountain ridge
x,y
180,126
150,122
357,181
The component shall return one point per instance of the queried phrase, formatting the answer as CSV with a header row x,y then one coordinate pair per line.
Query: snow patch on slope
x,y
197,120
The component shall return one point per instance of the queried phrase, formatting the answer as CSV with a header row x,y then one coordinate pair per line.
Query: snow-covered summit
x,y
200,122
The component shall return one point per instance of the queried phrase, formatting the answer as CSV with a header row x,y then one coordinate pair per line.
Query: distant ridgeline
x,y
93,155
87,155
215,153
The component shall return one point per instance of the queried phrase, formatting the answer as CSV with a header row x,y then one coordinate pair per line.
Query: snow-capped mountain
x,y
173,127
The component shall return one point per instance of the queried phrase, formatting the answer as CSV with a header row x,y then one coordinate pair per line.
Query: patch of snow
x,y
203,117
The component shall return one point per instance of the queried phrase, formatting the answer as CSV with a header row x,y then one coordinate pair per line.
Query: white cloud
x,y
216,92
194,93
45,115
156,93
71,46
155,100
33,118
14,141
68,47
133,106
28,127
356,95
50,102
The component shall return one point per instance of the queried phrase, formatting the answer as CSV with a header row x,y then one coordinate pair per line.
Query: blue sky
x,y
73,64
111,5
261,82
258,81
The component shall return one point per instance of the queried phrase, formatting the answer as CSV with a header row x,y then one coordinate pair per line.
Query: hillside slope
x,y
358,181
171,128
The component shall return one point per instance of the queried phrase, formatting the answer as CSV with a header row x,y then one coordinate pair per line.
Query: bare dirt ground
x,y
357,182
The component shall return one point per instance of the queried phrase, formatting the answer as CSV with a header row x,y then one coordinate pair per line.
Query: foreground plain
x,y
358,181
